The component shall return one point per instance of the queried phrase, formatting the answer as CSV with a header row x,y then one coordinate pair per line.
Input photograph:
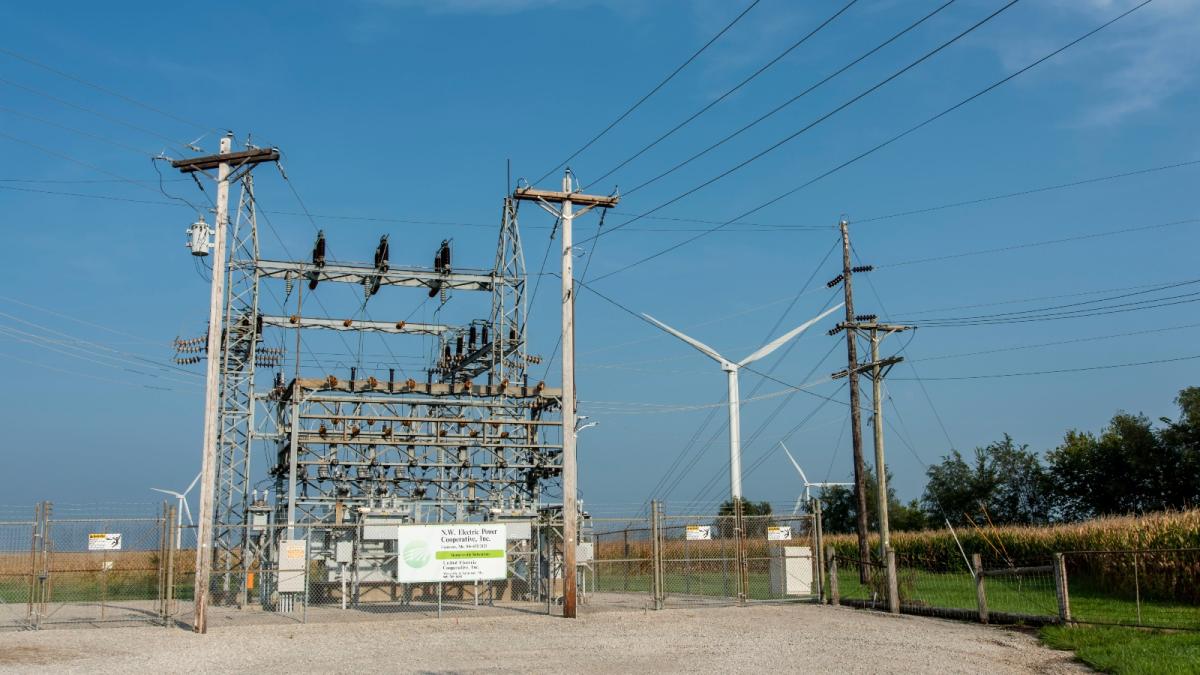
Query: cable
x,y
110,92
884,144
87,134
791,100
1059,370
780,143
1046,242
1095,338
89,111
729,92
1022,193
69,158
652,92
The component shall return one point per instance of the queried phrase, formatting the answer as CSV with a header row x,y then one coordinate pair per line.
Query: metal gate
x,y
85,570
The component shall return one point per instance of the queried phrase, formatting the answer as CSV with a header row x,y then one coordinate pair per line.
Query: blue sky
x,y
409,111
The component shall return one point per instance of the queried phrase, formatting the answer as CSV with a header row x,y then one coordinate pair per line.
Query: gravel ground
x,y
791,638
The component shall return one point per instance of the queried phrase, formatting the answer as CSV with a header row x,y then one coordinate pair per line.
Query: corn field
x,y
1160,574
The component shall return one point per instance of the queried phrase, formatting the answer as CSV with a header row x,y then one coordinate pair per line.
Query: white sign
x,y
699,532
779,533
104,541
451,552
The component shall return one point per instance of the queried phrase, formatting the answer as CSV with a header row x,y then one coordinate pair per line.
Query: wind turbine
x,y
181,507
731,369
804,478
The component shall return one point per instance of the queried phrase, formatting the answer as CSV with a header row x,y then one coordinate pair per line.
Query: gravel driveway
x,y
784,638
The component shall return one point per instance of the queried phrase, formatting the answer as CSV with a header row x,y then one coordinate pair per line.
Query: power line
x,y
652,92
1066,308
106,90
730,91
879,146
1059,370
76,106
1031,191
790,101
1035,244
69,158
87,134
1166,284
1094,338
858,97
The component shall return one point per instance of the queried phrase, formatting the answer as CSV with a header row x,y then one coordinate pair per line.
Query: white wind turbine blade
x,y
186,510
796,508
795,464
779,341
708,351
193,483
167,492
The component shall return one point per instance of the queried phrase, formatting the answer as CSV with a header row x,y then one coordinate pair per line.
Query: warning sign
x,y
699,532
104,541
779,533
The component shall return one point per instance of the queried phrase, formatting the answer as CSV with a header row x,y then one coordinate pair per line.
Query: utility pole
x,y
225,162
566,200
860,478
879,369
876,369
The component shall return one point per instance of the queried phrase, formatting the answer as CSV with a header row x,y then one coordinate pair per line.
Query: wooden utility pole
x,y
860,474
566,200
879,369
225,162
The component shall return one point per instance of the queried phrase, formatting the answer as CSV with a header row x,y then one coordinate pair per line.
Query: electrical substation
x,y
333,460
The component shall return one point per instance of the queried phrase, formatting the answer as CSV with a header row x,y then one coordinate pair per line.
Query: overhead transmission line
x,y
1058,371
846,104
1035,244
868,152
1056,343
1017,301
1023,193
790,101
109,118
106,90
729,92
652,92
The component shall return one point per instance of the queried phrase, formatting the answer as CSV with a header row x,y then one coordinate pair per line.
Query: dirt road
x,y
788,638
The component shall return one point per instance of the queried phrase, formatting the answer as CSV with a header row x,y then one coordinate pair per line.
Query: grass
x,y
1128,651
1032,595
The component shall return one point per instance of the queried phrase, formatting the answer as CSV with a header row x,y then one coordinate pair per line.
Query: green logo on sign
x,y
417,554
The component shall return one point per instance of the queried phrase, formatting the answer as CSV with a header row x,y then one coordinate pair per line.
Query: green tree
x,y
757,516
1128,468
1005,478
839,511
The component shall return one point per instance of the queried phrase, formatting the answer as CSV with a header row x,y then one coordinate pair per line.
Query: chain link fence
x,y
691,560
79,569
1146,588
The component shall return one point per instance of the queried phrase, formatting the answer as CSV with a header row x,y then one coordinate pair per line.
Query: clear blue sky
x,y
409,110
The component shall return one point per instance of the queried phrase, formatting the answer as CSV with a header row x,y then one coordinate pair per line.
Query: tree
x,y
1004,478
756,526
1128,468
839,509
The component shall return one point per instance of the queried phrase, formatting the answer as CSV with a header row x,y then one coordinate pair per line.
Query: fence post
x,y
831,559
980,594
818,548
892,583
741,564
655,555
1060,588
